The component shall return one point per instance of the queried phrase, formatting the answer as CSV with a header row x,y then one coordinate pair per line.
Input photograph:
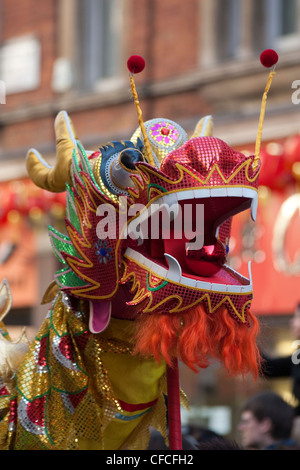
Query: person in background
x,y
266,423
288,366
219,443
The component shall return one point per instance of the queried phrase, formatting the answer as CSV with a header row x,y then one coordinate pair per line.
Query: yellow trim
x,y
76,264
247,163
145,171
178,283
178,191
261,118
102,186
148,152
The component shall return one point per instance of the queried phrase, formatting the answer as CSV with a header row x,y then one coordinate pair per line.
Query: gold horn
x,y
204,127
54,179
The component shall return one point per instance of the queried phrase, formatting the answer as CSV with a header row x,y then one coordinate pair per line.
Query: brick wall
x,y
165,33
25,18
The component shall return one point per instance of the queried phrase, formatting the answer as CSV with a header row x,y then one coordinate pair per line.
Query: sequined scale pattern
x,y
217,165
63,396
172,297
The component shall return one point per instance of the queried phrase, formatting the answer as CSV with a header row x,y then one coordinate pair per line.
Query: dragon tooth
x,y
201,193
204,285
218,192
174,272
186,194
188,281
254,205
250,274
235,192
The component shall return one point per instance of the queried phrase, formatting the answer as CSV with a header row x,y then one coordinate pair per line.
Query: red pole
x,y
174,419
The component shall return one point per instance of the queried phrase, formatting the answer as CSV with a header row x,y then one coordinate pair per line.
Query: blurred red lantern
x,y
24,198
273,174
292,151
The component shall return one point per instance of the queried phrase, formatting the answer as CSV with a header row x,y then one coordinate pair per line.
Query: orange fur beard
x,y
197,338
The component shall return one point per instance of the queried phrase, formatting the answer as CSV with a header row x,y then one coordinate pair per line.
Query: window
x,y
274,23
234,29
99,43
288,15
227,26
20,64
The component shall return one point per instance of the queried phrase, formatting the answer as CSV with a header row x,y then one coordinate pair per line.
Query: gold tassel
x,y
148,153
261,119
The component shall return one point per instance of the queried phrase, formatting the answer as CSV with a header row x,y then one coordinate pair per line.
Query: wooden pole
x,y
174,419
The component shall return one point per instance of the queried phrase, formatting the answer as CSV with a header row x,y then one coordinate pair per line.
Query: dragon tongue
x,y
100,311
208,260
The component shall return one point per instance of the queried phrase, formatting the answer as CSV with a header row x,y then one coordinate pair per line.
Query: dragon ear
x,y
204,127
5,299
54,179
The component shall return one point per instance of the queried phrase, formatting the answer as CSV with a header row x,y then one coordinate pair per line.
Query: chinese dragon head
x,y
148,241
144,283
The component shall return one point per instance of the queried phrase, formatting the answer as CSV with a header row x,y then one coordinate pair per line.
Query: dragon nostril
x,y
129,157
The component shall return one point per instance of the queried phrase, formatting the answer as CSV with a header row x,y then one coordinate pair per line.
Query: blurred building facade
x,y
202,57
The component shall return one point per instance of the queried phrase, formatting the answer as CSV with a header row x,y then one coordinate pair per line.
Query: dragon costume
x,y
141,285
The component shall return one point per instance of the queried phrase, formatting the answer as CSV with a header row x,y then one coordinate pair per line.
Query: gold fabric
x,y
76,390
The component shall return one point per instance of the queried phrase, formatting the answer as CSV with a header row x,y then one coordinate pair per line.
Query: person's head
x,y
265,420
295,322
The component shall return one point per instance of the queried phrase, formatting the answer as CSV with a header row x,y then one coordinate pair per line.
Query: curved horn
x,y
54,179
204,127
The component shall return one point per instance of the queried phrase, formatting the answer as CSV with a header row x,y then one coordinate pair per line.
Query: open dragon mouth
x,y
193,258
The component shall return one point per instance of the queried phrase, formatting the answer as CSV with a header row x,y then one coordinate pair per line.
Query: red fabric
x,y
136,407
136,64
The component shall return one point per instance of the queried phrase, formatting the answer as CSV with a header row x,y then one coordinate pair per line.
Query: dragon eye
x,y
117,164
129,157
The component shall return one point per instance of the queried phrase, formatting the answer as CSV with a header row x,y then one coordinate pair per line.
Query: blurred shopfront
x,y
25,256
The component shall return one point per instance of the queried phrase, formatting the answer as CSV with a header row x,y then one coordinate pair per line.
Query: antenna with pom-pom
x,y
136,64
269,59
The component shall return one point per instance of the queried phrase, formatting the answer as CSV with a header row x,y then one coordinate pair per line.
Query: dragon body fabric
x,y
144,280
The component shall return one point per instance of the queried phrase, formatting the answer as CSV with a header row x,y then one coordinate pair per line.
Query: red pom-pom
x,y
135,64
268,58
